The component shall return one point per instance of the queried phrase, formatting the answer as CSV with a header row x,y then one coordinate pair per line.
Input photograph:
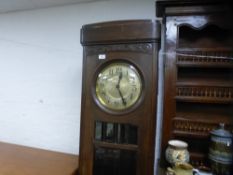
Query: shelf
x,y
204,100
197,158
205,83
204,64
201,115
116,146
196,128
192,128
193,92
205,49
205,77
197,155
205,57
190,134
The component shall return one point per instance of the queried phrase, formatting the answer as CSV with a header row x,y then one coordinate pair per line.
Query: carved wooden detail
x,y
214,94
205,58
193,127
143,48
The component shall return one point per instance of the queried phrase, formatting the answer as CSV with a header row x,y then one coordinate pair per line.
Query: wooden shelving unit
x,y
198,72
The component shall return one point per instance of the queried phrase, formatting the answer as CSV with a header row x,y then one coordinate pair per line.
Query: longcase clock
x,y
119,91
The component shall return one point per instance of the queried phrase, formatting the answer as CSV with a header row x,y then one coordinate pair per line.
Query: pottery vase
x,y
177,152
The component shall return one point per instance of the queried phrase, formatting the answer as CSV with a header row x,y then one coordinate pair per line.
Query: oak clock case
x,y
119,89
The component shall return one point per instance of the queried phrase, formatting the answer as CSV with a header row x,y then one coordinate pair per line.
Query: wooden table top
x,y
21,160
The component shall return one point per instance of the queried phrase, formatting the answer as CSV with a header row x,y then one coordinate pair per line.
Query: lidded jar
x,y
220,151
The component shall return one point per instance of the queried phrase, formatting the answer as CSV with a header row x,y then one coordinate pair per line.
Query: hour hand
x,y
119,80
118,88
122,98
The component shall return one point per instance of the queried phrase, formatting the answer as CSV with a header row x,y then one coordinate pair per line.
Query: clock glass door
x,y
115,161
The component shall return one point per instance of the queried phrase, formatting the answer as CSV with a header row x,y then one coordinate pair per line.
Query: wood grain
x,y
21,160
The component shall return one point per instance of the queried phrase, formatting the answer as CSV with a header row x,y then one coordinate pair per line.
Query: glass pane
x,y
98,131
110,132
116,133
128,134
114,162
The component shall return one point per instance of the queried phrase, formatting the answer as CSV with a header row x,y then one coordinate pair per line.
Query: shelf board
x,y
212,100
197,159
116,146
197,155
204,64
205,83
197,127
207,49
193,135
211,118
205,57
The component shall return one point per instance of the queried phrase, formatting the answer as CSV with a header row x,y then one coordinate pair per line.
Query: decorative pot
x,y
220,151
177,152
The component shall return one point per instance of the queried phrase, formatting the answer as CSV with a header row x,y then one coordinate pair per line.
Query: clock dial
x,y
118,86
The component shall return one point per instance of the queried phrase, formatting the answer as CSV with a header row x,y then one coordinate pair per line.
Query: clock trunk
x,y
119,142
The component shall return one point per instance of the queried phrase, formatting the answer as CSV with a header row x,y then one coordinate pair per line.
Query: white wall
x,y
40,70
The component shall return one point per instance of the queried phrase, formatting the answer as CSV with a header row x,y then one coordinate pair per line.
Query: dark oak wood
x,y
21,160
120,32
198,72
135,42
190,7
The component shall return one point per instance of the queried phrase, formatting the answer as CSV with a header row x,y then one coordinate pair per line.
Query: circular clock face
x,y
118,86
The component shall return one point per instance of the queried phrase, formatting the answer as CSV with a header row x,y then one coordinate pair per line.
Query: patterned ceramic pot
x,y
220,151
177,152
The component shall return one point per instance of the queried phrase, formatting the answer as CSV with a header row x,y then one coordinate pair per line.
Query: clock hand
x,y
118,88
119,80
123,100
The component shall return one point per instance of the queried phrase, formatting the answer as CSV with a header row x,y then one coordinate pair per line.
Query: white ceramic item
x,y
177,152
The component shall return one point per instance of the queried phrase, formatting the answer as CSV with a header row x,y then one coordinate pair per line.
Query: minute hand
x,y
118,88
